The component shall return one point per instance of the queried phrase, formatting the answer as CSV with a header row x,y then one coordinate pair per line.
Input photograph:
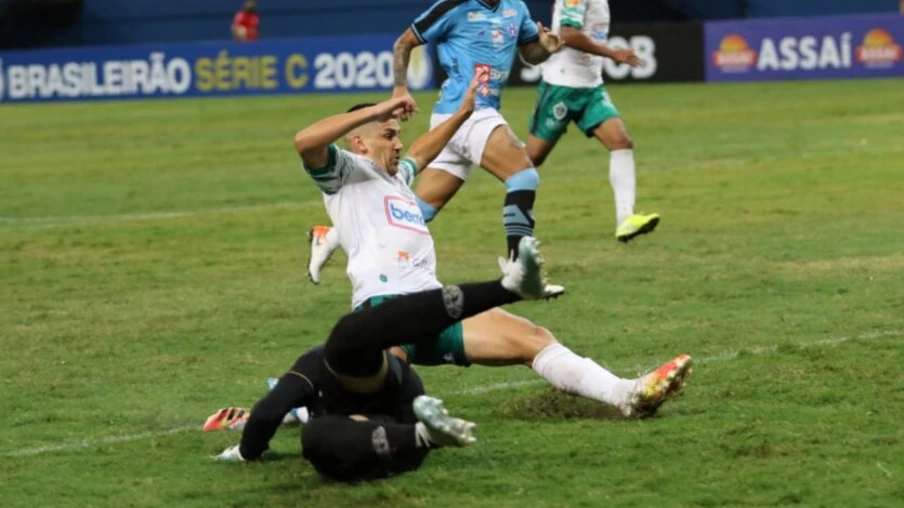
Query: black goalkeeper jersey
x,y
310,384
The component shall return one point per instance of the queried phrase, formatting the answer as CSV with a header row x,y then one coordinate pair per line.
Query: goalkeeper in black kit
x,y
370,417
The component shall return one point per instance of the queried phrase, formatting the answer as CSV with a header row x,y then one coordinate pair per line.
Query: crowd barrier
x,y
303,65
862,46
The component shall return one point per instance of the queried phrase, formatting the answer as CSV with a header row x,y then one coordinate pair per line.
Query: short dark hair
x,y
363,105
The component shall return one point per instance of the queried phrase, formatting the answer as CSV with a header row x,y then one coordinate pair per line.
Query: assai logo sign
x,y
879,50
734,54
829,47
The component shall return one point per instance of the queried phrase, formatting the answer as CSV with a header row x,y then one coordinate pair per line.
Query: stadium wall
x,y
865,46
144,21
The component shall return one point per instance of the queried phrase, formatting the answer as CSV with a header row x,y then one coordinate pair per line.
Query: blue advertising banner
x,y
805,48
303,65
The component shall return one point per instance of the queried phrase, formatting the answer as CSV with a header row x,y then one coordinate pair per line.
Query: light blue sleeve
x,y
436,22
333,176
528,32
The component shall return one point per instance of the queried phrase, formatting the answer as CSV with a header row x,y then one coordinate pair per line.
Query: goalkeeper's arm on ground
x,y
293,390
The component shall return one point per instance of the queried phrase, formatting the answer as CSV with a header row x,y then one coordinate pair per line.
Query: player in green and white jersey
x,y
572,91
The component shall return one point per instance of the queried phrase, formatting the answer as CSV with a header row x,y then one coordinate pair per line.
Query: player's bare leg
x,y
435,188
538,149
614,136
498,338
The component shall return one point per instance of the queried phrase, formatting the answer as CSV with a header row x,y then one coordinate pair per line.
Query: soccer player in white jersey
x,y
390,253
470,36
474,36
572,91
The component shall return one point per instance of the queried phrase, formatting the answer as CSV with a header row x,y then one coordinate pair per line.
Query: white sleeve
x,y
331,177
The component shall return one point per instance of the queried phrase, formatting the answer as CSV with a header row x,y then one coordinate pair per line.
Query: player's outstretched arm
x,y
312,142
293,389
538,50
401,56
428,147
574,38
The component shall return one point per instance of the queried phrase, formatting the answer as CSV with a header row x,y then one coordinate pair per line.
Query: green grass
x,y
152,272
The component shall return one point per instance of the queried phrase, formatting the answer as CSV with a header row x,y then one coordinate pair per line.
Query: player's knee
x,y
537,159
542,338
529,345
527,179
319,448
620,141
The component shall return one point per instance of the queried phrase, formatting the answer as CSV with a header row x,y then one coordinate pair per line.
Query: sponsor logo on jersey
x,y
497,36
572,3
476,16
406,263
509,13
404,260
489,73
734,54
485,70
878,50
404,214
599,32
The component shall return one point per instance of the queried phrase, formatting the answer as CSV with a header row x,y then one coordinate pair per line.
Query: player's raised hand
x,y
627,56
551,42
399,108
403,93
480,77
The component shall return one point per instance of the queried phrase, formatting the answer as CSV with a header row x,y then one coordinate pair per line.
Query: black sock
x,y
360,337
518,217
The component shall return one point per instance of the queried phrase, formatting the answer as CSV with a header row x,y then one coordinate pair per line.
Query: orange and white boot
x,y
657,386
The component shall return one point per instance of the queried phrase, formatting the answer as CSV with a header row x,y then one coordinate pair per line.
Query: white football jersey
x,y
381,229
570,67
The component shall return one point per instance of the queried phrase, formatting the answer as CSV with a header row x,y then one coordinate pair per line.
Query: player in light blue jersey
x,y
472,35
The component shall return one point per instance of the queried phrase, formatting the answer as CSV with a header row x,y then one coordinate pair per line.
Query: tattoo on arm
x,y
401,54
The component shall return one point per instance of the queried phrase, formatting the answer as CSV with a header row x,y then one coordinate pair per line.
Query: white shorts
x,y
465,149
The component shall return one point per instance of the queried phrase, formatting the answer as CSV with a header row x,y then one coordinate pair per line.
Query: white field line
x,y
20,223
90,443
724,357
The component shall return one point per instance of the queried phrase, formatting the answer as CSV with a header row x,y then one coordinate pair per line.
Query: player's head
x,y
378,141
250,5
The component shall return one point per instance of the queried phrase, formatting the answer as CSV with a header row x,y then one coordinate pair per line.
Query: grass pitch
x,y
152,272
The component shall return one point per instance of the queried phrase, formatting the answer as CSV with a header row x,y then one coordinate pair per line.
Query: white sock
x,y
332,239
581,376
623,181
